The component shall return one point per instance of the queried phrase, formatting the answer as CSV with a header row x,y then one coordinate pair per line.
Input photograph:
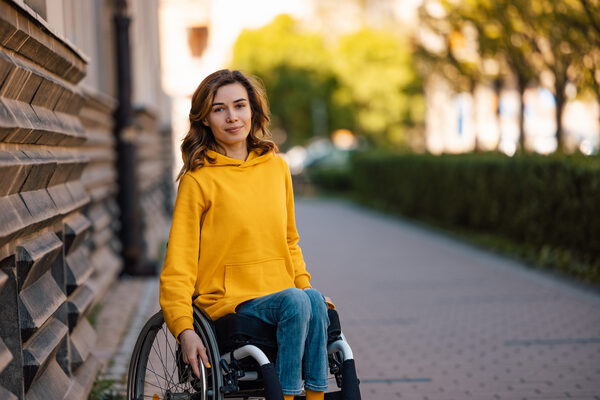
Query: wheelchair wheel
x,y
157,371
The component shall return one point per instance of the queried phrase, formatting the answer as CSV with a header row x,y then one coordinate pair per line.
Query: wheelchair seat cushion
x,y
236,330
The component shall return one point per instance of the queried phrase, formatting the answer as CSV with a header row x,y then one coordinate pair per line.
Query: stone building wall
x,y
154,177
59,216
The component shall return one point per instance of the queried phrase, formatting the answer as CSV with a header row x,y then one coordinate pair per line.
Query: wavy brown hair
x,y
200,138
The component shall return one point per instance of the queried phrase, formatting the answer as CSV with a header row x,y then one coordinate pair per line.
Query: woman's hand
x,y
192,348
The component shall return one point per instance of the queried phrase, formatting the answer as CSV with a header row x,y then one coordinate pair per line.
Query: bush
x,y
544,204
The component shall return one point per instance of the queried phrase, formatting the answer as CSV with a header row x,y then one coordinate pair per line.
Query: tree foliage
x,y
363,81
532,38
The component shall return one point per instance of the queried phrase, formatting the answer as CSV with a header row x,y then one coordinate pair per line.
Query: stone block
x,y
8,121
14,83
3,280
82,339
62,199
107,266
14,217
48,94
16,40
39,34
84,378
43,165
76,230
78,193
8,22
6,395
41,350
24,120
98,175
78,269
58,65
52,60
10,333
64,164
10,173
100,216
5,355
64,102
103,192
30,87
6,66
103,238
51,132
78,304
35,257
52,384
40,206
73,132
76,72
35,51
37,303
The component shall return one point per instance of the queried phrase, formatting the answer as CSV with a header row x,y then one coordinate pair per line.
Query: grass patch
x,y
92,316
104,389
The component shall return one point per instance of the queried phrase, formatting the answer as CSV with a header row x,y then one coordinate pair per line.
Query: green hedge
x,y
547,206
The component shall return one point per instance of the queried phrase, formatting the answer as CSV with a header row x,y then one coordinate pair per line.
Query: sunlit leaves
x,y
364,82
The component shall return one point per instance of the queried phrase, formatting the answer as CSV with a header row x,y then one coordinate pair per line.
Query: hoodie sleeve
x,y
180,269
302,277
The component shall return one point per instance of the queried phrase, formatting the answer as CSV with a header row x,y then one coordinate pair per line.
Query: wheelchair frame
x,y
157,372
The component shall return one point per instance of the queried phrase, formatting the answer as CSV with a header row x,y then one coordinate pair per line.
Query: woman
x,y
233,245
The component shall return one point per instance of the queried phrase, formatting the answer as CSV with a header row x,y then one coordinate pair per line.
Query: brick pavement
x,y
429,318
126,307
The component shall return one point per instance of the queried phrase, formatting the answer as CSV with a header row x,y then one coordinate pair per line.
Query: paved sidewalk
x,y
128,304
428,318
432,318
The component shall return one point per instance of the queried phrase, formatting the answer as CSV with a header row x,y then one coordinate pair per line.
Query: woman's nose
x,y
231,116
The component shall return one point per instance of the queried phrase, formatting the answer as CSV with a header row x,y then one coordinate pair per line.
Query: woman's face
x,y
230,117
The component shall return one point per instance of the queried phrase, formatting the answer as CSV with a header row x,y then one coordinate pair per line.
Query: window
x,y
197,40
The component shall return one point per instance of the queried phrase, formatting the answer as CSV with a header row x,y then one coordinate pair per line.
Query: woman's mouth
x,y
234,129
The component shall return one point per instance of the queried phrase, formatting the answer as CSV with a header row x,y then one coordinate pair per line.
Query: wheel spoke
x,y
157,371
169,380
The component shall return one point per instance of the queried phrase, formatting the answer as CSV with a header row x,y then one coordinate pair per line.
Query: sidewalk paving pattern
x,y
430,318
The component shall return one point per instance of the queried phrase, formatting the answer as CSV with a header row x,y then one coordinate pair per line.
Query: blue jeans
x,y
302,321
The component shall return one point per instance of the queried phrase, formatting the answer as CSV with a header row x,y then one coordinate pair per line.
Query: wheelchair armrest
x,y
334,330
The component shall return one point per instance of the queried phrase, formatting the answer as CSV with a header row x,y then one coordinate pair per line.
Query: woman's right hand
x,y
192,348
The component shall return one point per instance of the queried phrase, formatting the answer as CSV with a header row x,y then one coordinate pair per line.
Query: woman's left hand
x,y
329,303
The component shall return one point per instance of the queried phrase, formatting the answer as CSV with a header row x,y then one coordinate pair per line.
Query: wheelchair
x,y
241,351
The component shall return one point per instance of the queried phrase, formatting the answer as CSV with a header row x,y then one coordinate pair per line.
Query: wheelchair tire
x,y
156,370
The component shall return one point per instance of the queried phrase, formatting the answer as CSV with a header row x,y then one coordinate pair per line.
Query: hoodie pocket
x,y
256,278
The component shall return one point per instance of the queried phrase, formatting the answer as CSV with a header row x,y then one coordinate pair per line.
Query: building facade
x,y
62,197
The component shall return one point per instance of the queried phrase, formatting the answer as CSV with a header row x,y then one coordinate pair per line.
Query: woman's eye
x,y
217,109
240,105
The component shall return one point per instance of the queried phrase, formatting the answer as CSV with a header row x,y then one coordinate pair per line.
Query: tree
x,y
587,46
380,84
295,68
498,37
364,82
548,27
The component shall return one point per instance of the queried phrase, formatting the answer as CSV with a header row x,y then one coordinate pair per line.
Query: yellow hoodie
x,y
233,238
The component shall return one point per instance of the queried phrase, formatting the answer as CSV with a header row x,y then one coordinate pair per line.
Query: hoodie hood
x,y
223,161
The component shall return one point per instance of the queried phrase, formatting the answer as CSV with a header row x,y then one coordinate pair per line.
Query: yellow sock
x,y
313,395
288,397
